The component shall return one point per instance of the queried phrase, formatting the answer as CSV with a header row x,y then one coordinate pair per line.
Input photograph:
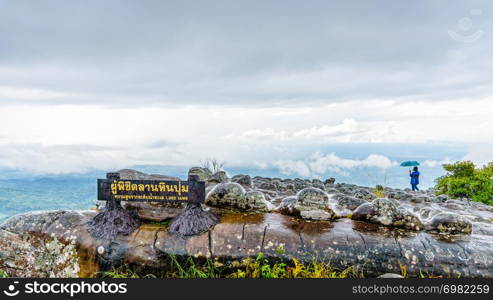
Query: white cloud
x,y
319,164
348,126
435,163
290,167
236,135
480,154
20,93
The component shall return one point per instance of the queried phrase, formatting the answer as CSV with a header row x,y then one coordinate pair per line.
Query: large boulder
x,y
218,177
346,201
267,185
310,203
450,223
313,197
57,244
244,180
385,212
330,181
232,195
203,173
364,194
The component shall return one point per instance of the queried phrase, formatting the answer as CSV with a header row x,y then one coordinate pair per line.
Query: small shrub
x,y
259,267
464,180
379,191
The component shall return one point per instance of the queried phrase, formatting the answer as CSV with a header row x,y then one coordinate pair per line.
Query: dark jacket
x,y
414,177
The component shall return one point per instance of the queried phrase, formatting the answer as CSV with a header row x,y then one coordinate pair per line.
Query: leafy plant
x,y
464,180
259,267
3,274
379,191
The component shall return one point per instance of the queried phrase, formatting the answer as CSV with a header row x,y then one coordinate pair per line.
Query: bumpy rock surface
x,y
450,223
232,195
310,204
244,180
203,173
57,244
218,177
336,222
385,212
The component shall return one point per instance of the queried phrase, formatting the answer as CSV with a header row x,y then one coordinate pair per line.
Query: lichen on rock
x,y
310,204
232,195
450,223
386,212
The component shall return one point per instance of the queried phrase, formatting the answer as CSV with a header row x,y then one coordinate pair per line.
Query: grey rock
x,y
244,180
348,202
56,244
310,203
218,177
313,197
364,194
232,195
267,185
330,181
385,212
450,223
203,173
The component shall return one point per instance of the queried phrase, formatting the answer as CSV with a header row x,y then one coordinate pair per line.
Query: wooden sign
x,y
114,188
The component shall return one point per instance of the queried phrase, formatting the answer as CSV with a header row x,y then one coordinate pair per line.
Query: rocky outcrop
x,y
450,223
218,177
244,180
57,244
232,195
385,212
309,204
342,223
203,173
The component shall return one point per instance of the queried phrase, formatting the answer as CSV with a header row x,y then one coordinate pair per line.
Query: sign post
x,y
114,219
193,219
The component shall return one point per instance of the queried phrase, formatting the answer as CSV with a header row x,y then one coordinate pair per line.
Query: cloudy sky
x,y
305,87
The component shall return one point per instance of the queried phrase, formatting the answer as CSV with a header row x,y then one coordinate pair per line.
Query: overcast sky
x,y
108,84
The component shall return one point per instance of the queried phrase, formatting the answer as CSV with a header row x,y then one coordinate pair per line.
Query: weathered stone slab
x,y
57,244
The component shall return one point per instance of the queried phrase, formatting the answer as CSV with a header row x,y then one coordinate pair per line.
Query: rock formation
x,y
309,219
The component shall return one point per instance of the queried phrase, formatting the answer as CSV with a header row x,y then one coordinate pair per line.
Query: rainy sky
x,y
302,86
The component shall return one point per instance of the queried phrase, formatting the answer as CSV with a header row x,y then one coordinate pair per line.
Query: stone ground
x,y
309,220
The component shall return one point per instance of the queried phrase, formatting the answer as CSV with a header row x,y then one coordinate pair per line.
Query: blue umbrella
x,y
409,163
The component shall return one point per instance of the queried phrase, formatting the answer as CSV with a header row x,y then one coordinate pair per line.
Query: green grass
x,y
3,274
258,267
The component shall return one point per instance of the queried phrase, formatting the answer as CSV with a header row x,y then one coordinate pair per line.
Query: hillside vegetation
x,y
465,180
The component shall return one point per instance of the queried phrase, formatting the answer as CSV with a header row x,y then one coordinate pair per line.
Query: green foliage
x,y
463,179
3,274
259,267
379,191
124,272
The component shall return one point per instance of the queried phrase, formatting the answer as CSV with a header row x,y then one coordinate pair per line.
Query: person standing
x,y
414,178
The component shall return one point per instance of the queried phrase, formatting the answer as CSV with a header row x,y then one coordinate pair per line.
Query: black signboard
x,y
114,188
114,219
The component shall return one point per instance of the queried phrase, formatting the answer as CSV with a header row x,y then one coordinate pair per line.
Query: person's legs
x,y
413,186
416,186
